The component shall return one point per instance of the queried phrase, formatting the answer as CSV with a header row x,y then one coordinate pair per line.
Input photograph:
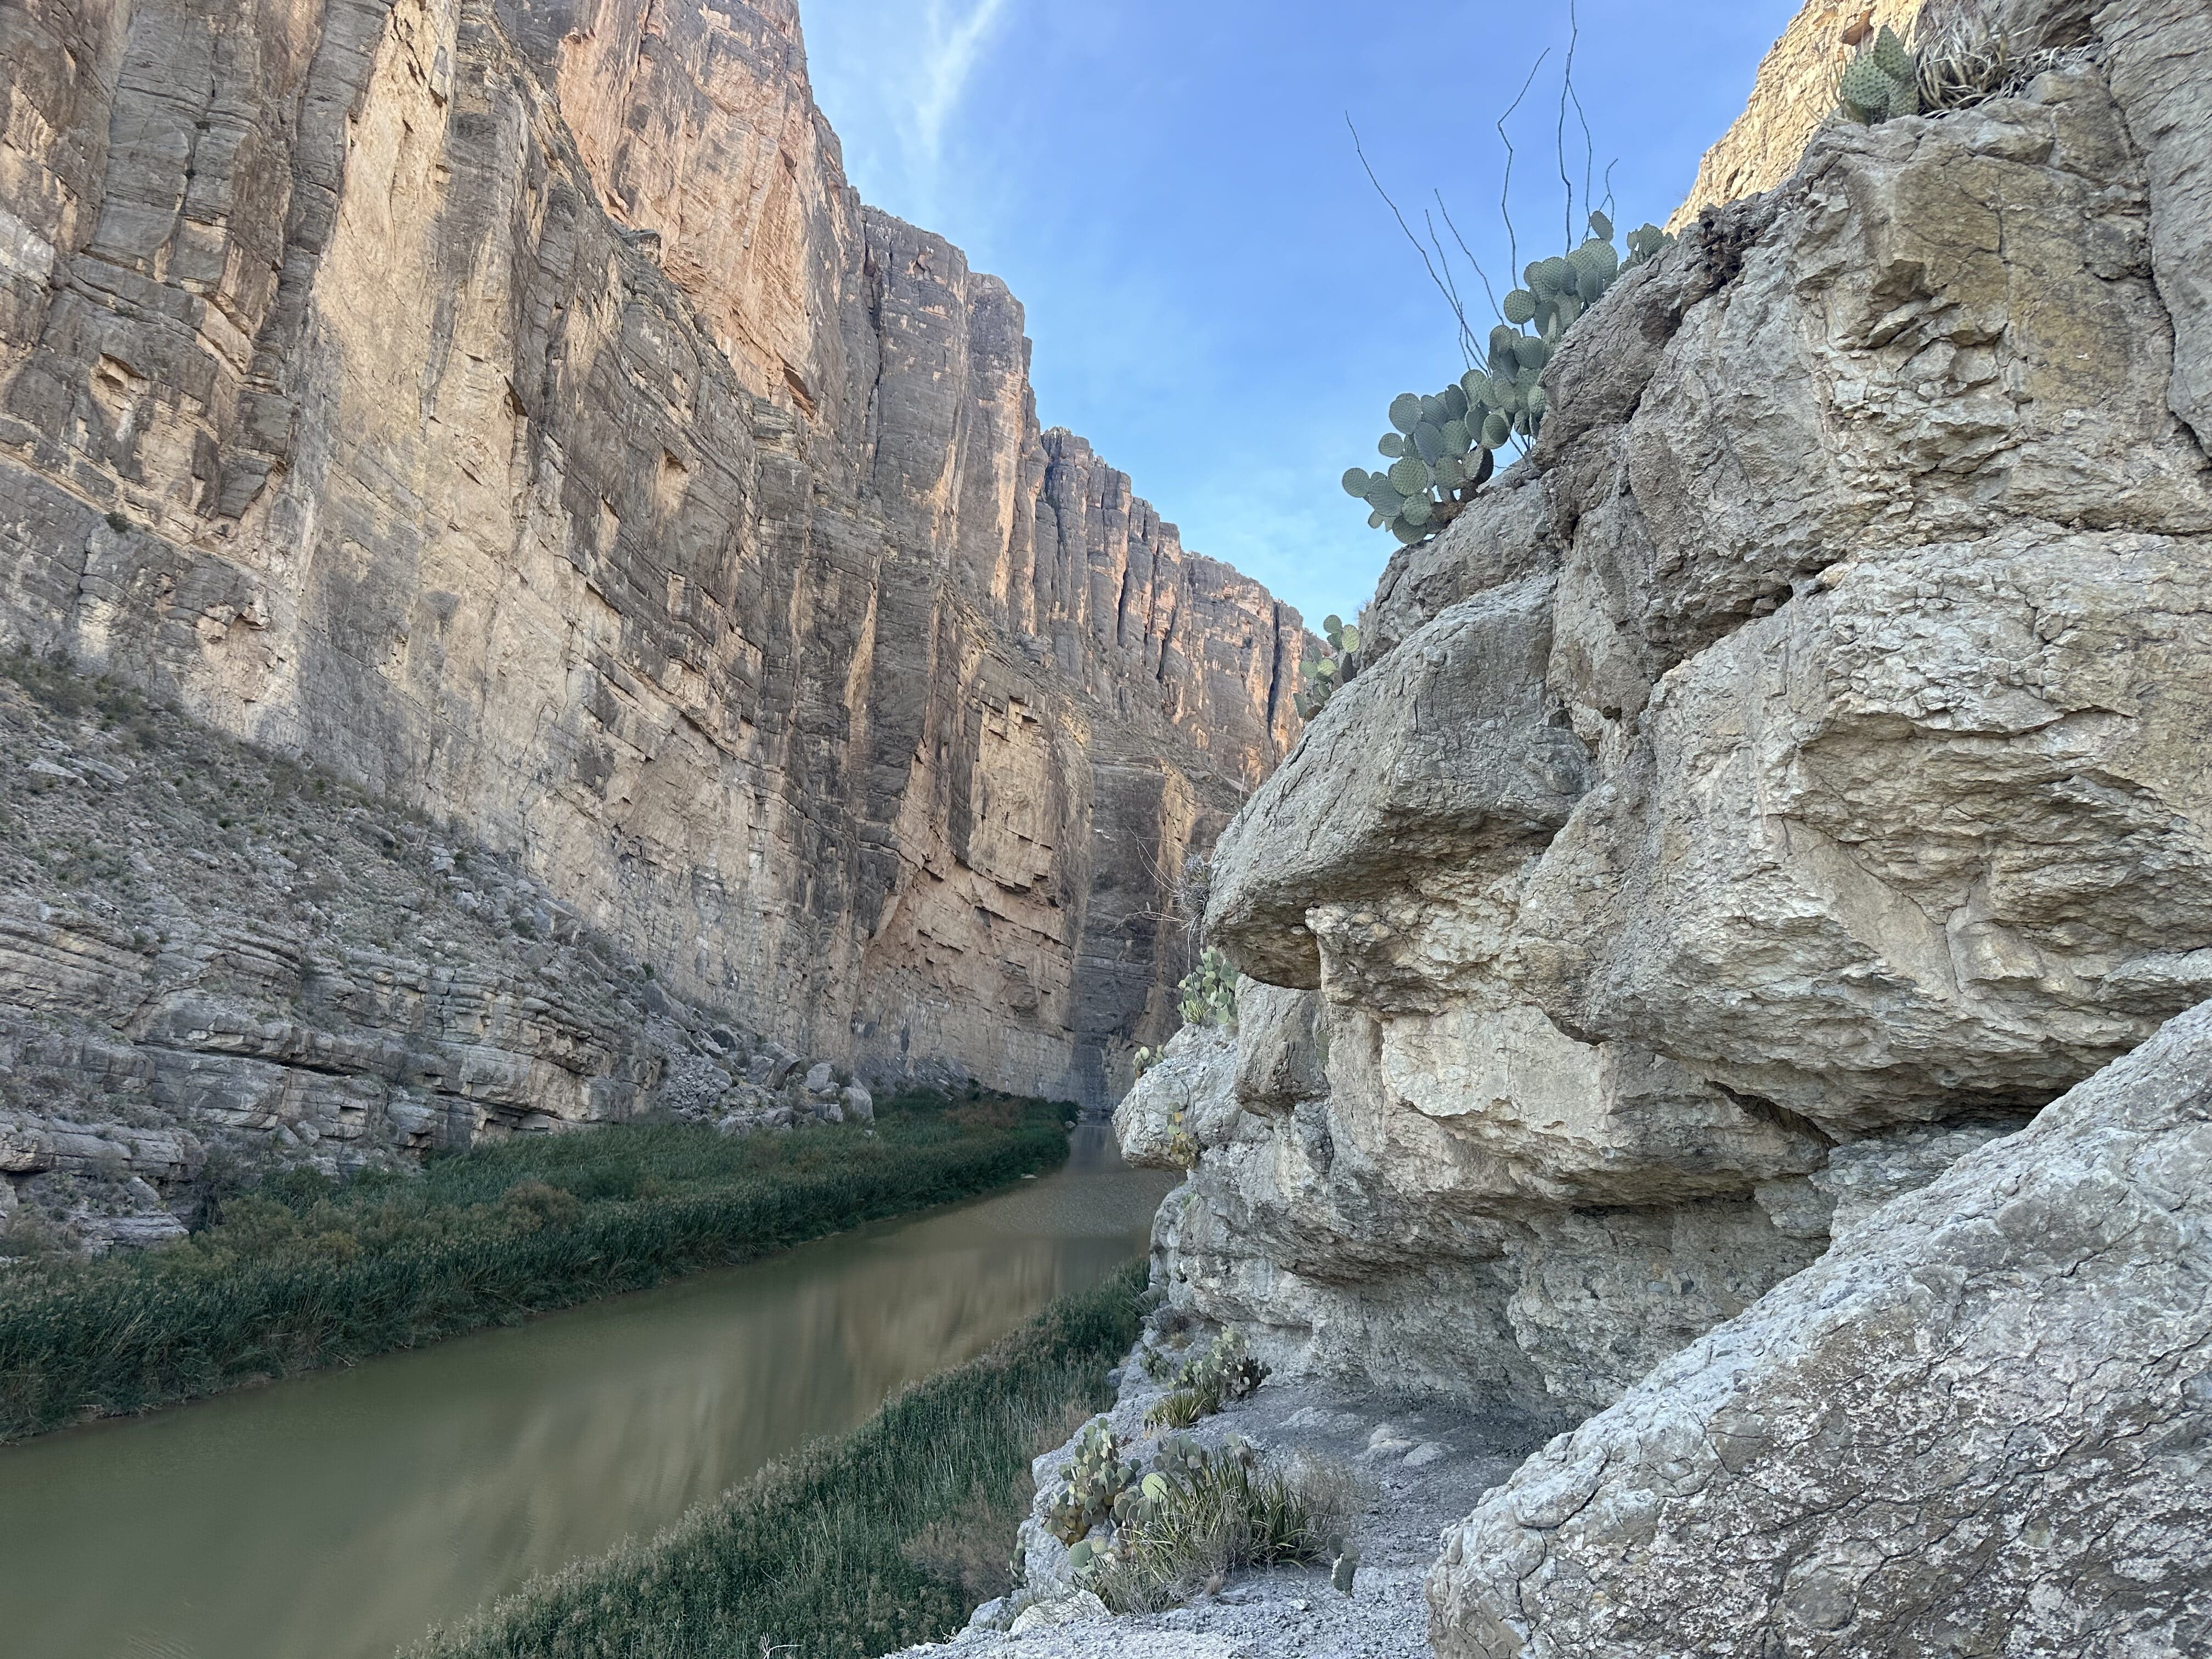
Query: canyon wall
x,y
514,408
1743,821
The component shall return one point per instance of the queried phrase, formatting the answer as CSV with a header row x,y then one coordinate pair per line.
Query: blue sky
x,y
1219,300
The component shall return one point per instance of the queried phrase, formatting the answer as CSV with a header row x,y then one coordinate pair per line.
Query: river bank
x,y
301,1272
344,1512
855,1544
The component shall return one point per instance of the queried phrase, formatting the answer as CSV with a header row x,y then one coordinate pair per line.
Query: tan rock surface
x,y
512,405
214,963
1793,93
1800,749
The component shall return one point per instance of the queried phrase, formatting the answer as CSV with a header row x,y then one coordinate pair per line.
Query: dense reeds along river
x,y
340,1515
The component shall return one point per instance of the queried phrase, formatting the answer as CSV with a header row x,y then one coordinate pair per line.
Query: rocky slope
x,y
511,407
1779,790
214,961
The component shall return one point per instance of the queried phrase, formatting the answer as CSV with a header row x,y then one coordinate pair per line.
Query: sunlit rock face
x,y
513,406
1802,752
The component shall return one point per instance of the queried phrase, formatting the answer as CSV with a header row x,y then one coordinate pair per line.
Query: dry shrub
x,y
1238,1511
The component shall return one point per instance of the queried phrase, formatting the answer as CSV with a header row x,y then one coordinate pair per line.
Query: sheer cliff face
x,y
515,407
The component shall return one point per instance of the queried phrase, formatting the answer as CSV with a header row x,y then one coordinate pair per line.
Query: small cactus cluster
x,y
1181,1458
1179,1465
1344,1569
1090,1486
1183,1145
1225,1372
1883,80
1222,1376
1324,676
1209,991
1444,447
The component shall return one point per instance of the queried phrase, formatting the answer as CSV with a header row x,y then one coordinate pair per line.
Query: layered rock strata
x,y
214,962
512,407
1798,751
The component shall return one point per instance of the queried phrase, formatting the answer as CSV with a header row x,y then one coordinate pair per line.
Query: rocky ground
x,y
1418,1468
214,960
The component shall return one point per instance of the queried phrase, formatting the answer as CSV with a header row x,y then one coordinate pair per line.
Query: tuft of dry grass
x,y
1236,1511
1968,63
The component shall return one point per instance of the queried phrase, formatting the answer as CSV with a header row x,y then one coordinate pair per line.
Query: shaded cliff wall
x,y
1732,962
517,409
1782,781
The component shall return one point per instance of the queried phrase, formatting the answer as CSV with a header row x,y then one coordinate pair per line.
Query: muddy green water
x,y
338,1515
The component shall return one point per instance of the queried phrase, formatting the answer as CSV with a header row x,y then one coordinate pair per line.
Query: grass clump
x,y
1200,1516
856,1545
301,1271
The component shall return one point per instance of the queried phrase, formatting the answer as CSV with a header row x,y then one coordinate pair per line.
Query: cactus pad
x,y
1890,56
1410,474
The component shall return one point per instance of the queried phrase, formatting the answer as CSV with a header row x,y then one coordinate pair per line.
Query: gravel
x,y
1421,1466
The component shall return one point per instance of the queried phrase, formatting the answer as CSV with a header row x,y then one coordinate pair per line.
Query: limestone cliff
x,y
512,407
1793,93
1769,797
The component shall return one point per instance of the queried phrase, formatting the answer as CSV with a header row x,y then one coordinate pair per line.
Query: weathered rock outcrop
x,y
1981,1424
213,962
1795,92
512,406
1800,749
1760,805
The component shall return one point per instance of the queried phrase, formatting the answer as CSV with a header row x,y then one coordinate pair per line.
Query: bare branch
x,y
1442,288
1451,290
1559,134
1590,145
1485,275
1505,190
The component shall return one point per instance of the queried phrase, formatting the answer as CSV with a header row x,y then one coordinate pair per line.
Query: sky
x,y
1219,300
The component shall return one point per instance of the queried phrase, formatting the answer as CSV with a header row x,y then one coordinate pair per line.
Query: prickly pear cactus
x,y
1326,674
1345,1569
1209,991
1444,447
1090,1486
1180,1458
1883,80
1222,1376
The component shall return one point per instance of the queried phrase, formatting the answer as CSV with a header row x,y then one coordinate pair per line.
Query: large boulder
x,y
1981,1424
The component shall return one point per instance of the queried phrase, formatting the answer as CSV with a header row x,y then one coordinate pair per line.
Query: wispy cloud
x,y
957,40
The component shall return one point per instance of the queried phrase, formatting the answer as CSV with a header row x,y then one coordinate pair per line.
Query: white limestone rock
x,y
1979,1425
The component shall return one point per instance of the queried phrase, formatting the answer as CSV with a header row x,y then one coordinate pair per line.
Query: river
x,y
337,1515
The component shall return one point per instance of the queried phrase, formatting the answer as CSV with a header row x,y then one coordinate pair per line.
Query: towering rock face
x,y
1769,797
512,405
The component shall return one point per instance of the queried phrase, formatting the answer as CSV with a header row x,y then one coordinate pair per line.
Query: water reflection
x,y
339,1515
